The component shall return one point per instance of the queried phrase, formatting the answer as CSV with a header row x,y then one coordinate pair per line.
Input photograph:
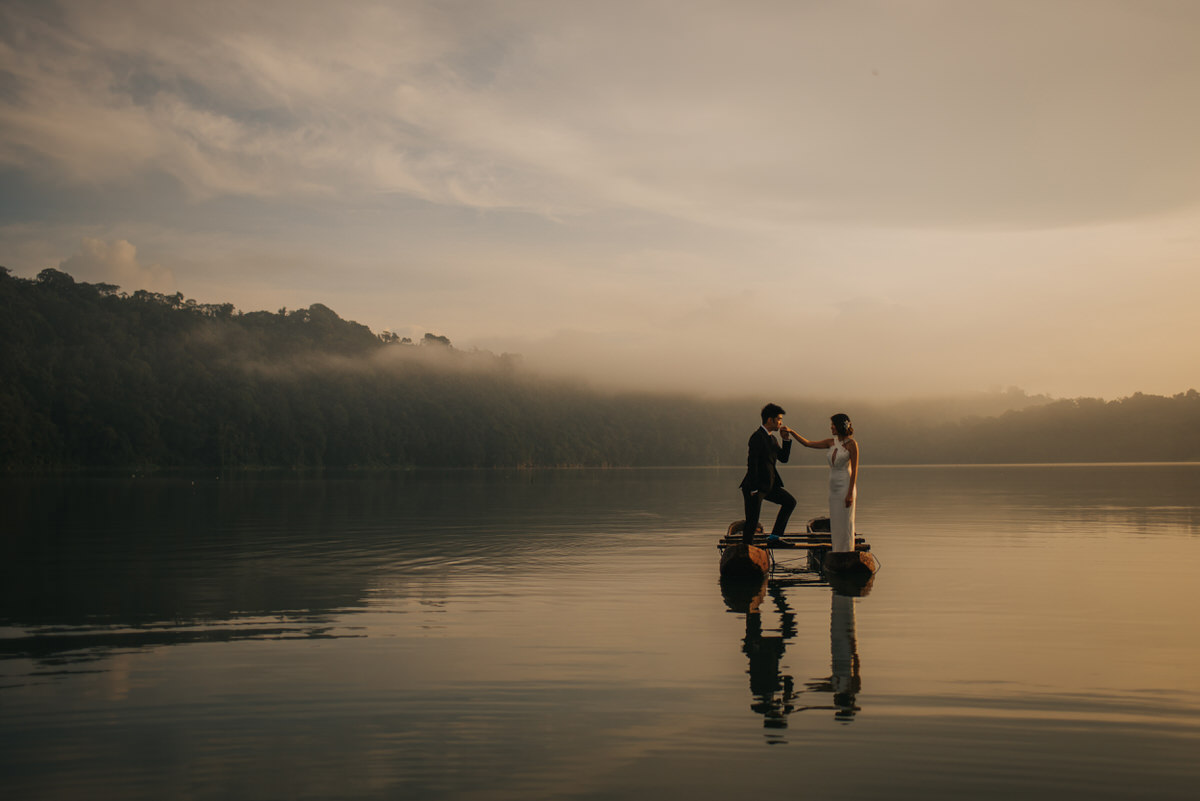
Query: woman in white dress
x,y
843,478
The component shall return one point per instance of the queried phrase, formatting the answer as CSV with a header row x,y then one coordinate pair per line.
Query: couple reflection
x,y
775,693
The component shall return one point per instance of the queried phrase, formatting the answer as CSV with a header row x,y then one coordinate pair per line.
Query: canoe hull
x,y
744,561
857,562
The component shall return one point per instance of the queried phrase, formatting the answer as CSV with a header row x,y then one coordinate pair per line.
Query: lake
x,y
1034,632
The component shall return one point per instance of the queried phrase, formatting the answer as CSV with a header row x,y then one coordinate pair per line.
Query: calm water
x,y
1034,632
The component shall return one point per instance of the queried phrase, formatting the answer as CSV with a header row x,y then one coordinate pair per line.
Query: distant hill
x,y
93,377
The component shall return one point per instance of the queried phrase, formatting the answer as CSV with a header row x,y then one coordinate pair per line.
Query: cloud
x,y
115,262
895,196
750,115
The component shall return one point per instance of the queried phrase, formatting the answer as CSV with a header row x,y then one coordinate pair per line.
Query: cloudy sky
x,y
891,198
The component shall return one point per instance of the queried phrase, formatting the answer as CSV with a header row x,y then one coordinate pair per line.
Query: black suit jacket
x,y
762,453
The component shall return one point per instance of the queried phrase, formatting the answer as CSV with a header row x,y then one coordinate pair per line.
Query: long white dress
x,y
841,517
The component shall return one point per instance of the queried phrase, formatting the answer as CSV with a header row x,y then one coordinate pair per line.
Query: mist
x,y
174,383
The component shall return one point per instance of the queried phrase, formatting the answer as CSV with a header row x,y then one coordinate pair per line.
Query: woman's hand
x,y
849,498
809,443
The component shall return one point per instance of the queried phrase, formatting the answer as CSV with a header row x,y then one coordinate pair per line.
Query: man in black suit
x,y
762,481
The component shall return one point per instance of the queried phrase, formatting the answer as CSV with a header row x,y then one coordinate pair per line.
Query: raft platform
x,y
753,560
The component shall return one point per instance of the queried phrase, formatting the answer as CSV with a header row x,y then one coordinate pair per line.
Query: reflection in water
x,y
774,692
843,648
484,635
56,648
91,566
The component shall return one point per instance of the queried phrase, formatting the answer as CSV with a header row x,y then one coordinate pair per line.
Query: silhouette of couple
x,y
762,481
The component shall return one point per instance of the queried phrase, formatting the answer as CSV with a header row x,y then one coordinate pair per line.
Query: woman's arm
x,y
809,443
852,447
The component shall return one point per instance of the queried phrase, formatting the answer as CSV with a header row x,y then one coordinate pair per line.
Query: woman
x,y
843,478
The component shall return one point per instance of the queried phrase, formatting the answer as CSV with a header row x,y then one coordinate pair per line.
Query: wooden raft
x,y
753,560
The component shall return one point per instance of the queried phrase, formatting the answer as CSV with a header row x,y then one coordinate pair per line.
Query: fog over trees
x,y
94,377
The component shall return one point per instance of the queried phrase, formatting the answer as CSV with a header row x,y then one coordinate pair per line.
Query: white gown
x,y
841,517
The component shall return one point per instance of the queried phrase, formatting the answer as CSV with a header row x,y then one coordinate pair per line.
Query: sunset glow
x,y
869,199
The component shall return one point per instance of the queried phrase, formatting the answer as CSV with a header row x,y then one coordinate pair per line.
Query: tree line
x,y
94,377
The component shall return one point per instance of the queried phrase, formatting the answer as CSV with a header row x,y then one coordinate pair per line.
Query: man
x,y
762,481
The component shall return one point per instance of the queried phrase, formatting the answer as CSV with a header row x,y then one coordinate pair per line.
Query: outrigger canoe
x,y
740,559
822,558
753,560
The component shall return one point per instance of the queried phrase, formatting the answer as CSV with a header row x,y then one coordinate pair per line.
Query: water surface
x,y
563,634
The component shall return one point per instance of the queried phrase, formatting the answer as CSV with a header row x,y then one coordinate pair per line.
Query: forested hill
x,y
92,377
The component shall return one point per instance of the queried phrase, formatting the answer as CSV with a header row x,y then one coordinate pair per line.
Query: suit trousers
x,y
754,501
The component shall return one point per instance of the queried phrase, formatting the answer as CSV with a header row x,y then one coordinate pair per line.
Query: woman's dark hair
x,y
841,422
770,410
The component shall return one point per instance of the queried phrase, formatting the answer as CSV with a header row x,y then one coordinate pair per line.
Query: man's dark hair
x,y
770,410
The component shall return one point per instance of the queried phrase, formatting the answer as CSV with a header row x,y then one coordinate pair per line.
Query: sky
x,y
837,199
